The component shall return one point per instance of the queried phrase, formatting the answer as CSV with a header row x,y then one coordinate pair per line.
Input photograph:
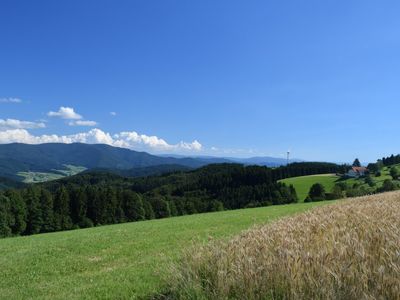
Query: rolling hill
x,y
302,184
19,161
124,261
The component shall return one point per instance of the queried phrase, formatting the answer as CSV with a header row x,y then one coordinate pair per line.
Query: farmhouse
x,y
357,172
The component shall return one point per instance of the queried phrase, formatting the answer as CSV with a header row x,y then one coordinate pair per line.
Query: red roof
x,y
360,169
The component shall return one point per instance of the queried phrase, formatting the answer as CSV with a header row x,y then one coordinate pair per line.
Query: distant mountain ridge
x,y
267,161
16,158
22,162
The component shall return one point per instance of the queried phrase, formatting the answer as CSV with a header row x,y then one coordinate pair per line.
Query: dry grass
x,y
348,250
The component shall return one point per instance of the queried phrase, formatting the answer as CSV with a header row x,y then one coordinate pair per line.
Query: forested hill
x,y
53,158
97,198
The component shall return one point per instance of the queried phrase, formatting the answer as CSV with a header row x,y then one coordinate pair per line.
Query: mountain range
x,y
41,162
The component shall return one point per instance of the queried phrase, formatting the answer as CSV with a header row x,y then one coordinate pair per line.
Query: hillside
x,y
18,160
302,184
44,162
119,261
349,250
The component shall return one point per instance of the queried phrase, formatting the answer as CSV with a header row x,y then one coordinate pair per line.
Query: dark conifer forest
x,y
98,198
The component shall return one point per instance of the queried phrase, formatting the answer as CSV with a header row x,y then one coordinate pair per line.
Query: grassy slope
x,y
117,261
302,184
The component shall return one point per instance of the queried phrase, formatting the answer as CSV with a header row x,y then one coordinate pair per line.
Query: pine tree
x,y
34,214
148,210
18,210
79,206
5,216
356,163
160,207
317,192
46,203
61,210
133,206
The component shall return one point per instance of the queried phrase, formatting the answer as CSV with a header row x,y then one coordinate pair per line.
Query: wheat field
x,y
347,250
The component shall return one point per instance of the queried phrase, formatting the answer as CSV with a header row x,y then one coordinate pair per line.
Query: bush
x,y
368,180
308,199
317,192
387,186
395,173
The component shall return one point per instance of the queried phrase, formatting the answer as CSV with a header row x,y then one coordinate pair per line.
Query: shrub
x,y
387,186
317,192
395,173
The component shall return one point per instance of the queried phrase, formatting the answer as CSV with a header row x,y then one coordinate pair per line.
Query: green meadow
x,y
117,261
302,184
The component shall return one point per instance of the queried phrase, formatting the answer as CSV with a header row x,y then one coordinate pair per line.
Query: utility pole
x,y
288,154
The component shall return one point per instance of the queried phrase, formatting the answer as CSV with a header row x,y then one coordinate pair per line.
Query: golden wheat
x,y
348,250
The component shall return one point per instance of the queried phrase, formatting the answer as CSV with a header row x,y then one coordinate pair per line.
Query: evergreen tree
x,y
111,205
317,192
79,206
356,163
18,210
5,216
46,203
34,213
160,207
133,206
148,210
62,210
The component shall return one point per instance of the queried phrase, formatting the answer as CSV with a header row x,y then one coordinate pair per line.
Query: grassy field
x,y
349,250
302,184
118,261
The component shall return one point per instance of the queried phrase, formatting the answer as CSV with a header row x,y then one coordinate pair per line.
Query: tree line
x,y
98,198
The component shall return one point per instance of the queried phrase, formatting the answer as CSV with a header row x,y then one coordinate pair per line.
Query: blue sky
x,y
224,78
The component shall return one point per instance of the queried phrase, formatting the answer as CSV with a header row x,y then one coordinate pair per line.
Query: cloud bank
x,y
127,139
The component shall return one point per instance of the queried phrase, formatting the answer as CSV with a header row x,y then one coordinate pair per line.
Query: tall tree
x,y
148,210
34,212
79,205
61,209
133,206
47,206
317,192
5,216
160,207
18,210
356,163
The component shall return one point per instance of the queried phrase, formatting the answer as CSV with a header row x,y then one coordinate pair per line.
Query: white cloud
x,y
17,124
83,123
10,100
65,113
130,140
113,113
